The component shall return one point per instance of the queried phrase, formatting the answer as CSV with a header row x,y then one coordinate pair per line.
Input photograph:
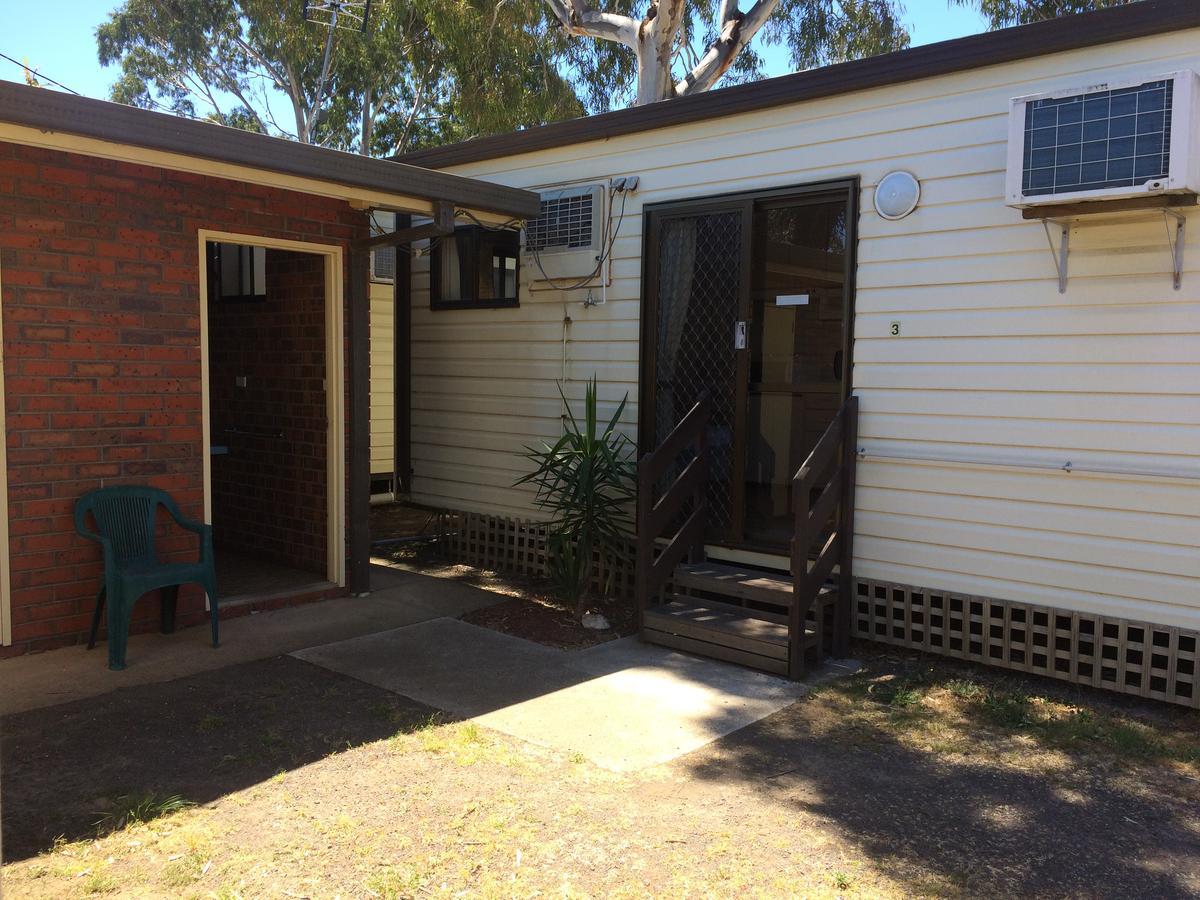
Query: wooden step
x,y
742,583
736,581
721,632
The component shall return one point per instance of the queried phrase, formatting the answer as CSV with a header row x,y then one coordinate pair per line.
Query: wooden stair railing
x,y
655,516
831,468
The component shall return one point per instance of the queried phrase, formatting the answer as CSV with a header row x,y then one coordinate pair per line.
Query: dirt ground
x,y
281,779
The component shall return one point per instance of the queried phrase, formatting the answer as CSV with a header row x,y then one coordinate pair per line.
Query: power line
x,y
150,101
39,74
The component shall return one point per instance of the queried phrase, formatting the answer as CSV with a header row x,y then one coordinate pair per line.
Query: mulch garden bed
x,y
542,618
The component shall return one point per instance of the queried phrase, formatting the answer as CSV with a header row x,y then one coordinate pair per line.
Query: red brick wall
x,y
100,273
269,491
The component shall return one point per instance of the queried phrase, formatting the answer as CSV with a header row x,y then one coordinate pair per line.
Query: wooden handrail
x,y
837,448
822,454
691,479
660,458
655,516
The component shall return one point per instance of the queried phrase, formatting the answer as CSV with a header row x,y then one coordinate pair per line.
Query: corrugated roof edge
x,y
49,110
1141,19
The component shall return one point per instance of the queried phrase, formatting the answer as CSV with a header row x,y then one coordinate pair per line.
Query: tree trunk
x,y
653,38
654,73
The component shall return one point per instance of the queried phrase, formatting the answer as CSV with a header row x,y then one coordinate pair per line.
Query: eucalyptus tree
x,y
671,48
423,71
1003,13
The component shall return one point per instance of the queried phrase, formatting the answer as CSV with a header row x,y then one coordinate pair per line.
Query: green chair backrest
x,y
125,515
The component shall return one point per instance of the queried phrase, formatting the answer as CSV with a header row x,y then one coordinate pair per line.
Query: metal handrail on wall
x,y
1067,466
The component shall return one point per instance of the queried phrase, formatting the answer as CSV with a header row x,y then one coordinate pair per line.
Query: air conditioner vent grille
x,y
565,222
383,259
1098,140
383,264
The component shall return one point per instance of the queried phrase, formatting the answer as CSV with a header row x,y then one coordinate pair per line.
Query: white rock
x,y
595,621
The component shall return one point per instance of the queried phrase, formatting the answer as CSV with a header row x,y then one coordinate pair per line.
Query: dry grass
x,y
450,808
445,809
938,708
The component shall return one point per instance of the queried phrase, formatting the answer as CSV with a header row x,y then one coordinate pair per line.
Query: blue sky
x,y
59,40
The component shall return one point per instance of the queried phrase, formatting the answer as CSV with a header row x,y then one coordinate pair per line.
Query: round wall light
x,y
897,195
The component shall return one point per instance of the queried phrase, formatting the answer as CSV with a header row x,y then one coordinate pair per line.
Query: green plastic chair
x,y
124,519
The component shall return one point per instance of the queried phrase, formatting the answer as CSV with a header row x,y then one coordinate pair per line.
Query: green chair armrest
x,y
194,525
183,521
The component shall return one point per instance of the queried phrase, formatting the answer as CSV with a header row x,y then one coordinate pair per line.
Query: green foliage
x,y
964,688
137,809
815,33
585,480
425,72
1003,13
1009,710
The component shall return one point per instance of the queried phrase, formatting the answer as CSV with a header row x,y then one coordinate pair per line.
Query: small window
x,y
476,268
237,272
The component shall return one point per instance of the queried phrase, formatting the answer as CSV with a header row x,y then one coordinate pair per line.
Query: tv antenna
x,y
348,15
351,15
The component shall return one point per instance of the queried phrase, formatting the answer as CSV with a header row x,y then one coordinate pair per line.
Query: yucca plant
x,y
585,480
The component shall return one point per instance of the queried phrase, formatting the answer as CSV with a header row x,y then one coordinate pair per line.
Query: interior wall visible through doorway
x,y
311,343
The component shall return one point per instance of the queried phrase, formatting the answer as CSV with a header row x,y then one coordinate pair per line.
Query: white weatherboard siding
x,y
993,365
383,387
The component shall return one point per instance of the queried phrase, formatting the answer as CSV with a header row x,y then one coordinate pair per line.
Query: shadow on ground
x,y
67,767
1053,820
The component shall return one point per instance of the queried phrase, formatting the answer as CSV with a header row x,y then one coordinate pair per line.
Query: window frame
x,y
216,262
468,240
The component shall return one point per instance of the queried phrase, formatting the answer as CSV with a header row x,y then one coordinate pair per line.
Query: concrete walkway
x,y
398,598
624,705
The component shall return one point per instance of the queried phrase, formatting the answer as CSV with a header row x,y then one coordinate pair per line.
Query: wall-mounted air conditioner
x,y
383,259
1104,142
564,245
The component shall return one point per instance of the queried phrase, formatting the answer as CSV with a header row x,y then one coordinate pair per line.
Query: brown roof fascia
x,y
1135,20
54,111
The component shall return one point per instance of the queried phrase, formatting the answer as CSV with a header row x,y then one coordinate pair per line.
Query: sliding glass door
x,y
748,298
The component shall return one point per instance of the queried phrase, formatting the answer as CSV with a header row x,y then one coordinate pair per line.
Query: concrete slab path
x,y
624,705
398,598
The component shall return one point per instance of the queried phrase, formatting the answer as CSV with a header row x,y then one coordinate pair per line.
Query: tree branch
x,y
737,30
230,83
252,51
577,18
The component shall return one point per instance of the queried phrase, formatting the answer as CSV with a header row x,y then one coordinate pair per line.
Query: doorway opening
x,y
750,299
273,383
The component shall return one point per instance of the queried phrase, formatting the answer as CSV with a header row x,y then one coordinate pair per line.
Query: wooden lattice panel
x,y
1139,658
518,546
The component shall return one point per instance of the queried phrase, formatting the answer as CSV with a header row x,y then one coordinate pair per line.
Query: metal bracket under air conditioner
x,y
1060,250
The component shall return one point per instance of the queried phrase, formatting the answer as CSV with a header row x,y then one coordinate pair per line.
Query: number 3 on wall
x,y
894,329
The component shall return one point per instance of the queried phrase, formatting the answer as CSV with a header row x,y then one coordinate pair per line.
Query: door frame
x,y
652,213
335,386
5,582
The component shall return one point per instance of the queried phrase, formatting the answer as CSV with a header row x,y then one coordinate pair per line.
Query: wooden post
x,y
700,495
796,615
845,601
402,371
645,541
